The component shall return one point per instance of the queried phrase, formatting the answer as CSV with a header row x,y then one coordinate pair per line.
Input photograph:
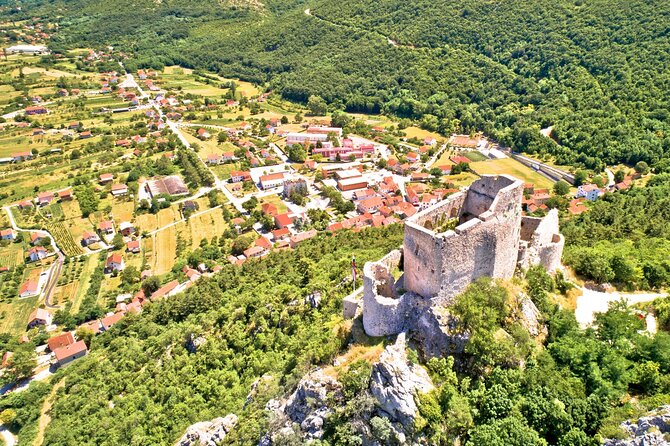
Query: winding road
x,y
56,267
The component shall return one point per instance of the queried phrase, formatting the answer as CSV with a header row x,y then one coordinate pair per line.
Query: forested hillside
x,y
597,71
141,385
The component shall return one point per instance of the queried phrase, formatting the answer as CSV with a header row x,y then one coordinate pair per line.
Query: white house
x,y
589,191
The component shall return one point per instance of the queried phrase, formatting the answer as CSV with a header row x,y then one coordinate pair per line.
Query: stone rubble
x,y
650,430
208,433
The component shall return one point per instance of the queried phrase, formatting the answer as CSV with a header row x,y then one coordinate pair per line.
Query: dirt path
x,y
591,302
44,414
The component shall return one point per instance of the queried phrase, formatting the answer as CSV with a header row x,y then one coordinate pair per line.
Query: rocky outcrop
x,y
649,430
208,433
394,383
193,342
436,332
530,317
306,406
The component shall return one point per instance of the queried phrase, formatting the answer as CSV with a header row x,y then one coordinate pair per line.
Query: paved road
x,y
592,302
610,178
56,268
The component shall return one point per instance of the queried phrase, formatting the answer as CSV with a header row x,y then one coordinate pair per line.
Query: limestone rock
x,y
208,433
394,383
646,431
529,317
193,342
435,331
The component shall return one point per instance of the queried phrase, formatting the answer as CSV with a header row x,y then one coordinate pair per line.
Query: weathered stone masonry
x,y
474,233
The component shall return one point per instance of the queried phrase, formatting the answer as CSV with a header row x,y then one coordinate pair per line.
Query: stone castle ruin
x,y
473,233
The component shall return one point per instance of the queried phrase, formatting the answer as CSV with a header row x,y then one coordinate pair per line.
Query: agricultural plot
x,y
514,168
64,239
11,255
15,312
164,250
90,263
203,226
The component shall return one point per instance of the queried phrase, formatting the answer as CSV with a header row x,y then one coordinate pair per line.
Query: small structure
x,y
89,238
114,263
60,341
119,189
29,288
109,321
589,191
67,354
40,316
271,180
133,246
37,253
45,198
106,227
126,228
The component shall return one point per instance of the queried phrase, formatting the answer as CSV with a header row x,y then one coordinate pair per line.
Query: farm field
x,y
512,167
64,239
83,283
14,314
11,255
204,226
164,250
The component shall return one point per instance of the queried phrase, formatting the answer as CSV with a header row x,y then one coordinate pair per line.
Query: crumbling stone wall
x,y
384,311
541,242
485,243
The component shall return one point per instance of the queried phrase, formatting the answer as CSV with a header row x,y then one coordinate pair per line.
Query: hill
x,y
594,70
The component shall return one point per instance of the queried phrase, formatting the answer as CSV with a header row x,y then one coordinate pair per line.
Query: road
x,y
592,302
57,266
610,178
10,439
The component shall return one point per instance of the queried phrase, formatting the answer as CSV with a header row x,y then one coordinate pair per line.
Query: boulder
x,y
394,383
208,433
649,430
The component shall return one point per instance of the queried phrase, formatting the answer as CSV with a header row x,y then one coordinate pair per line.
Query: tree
x,y
619,176
642,168
117,241
250,204
561,188
240,244
130,275
356,378
580,177
508,432
20,366
85,334
317,106
150,285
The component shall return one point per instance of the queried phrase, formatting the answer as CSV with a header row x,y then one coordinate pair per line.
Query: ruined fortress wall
x,y
544,245
442,265
384,312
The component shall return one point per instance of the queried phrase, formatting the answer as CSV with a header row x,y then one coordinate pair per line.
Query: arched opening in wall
x,y
428,224
555,238
453,213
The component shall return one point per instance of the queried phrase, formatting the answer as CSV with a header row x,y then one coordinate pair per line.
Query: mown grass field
x,y
203,226
164,250
511,167
14,314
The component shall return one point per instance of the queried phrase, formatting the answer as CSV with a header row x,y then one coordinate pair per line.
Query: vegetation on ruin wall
x,y
624,238
593,70
255,321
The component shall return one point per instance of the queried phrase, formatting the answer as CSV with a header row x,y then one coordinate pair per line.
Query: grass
x,y
11,255
83,284
14,314
460,180
204,226
276,200
511,167
164,250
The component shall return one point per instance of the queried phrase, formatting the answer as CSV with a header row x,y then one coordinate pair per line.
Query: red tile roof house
x,y
29,288
36,237
7,234
65,195
119,189
370,205
203,134
37,253
89,238
106,227
279,234
45,198
85,135
272,180
254,251
69,353
269,209
25,204
61,340
457,159
133,246
214,158
39,317
106,178
165,290
237,175
283,221
298,238
109,321
114,263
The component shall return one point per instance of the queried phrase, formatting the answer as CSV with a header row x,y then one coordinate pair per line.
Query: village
x,y
125,186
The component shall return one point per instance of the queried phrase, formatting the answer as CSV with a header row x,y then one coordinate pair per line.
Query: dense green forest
x,y
595,70
624,238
